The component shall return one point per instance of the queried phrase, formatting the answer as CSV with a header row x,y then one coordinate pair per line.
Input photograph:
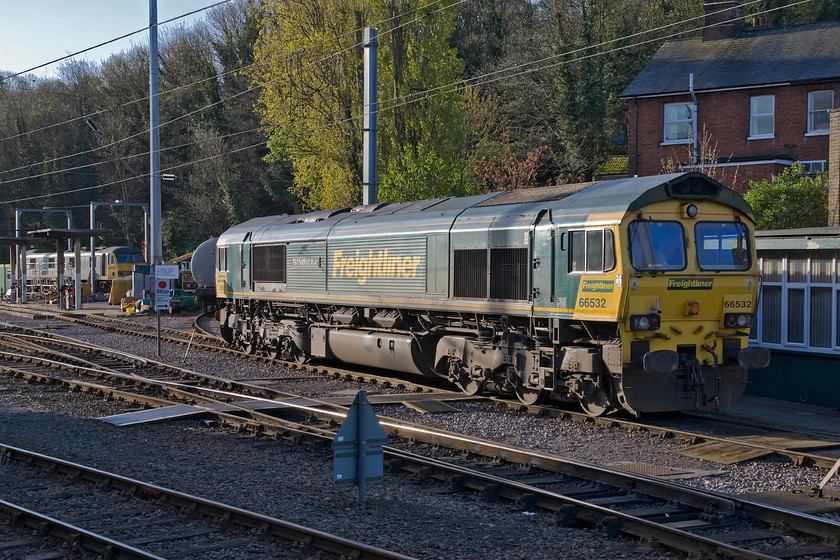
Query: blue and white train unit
x,y
634,294
110,263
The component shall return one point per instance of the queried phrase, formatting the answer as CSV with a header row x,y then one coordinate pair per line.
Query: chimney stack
x,y
726,14
762,22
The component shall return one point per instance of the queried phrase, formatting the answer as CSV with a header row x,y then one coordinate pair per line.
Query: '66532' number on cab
x,y
592,302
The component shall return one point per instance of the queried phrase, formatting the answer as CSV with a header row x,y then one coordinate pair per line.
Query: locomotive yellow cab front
x,y
689,307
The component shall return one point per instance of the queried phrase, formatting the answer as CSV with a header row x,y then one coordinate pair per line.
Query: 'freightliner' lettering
x,y
597,286
690,283
382,264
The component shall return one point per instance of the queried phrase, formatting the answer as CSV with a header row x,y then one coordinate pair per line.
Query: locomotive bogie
x,y
614,296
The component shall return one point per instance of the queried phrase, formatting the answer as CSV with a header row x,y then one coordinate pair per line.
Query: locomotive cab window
x,y
128,257
222,259
657,246
591,250
722,246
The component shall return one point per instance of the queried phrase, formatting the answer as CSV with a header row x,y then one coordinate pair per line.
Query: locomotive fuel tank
x,y
374,349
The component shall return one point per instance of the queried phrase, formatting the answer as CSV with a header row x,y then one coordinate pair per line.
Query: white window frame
x,y
757,336
222,259
809,165
666,122
811,112
604,251
754,116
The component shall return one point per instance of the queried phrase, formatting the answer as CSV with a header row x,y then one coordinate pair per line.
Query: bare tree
x,y
708,161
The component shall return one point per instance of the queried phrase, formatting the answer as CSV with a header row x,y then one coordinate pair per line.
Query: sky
x,y
36,31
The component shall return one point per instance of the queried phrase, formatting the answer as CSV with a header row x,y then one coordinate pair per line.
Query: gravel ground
x,y
295,483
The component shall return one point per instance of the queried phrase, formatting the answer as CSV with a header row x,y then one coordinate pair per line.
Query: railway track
x,y
198,339
72,508
715,439
669,514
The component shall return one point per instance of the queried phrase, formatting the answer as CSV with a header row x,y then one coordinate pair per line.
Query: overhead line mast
x,y
154,138
156,250
369,195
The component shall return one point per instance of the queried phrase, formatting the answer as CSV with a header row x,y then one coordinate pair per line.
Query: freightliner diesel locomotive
x,y
634,294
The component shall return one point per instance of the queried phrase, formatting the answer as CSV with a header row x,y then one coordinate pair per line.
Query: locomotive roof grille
x,y
319,215
537,194
693,187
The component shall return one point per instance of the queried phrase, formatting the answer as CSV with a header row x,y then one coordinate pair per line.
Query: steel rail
x,y
803,458
312,538
700,499
108,548
323,370
34,341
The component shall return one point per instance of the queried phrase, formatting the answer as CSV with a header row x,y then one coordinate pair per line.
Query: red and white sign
x,y
162,293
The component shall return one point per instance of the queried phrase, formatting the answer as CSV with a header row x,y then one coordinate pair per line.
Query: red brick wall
x,y
726,117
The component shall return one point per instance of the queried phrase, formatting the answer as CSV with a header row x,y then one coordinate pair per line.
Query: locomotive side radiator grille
x,y
268,263
507,279
470,273
509,273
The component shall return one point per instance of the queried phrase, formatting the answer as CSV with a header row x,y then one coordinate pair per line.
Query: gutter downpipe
x,y
636,137
693,116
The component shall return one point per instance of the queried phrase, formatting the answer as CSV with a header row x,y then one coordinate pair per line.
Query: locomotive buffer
x,y
358,447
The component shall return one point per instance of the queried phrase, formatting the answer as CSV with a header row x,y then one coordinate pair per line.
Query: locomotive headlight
x,y
737,320
692,308
644,322
689,211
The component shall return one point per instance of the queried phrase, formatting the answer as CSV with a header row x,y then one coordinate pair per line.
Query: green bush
x,y
791,200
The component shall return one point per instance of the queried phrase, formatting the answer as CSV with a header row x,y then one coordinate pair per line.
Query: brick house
x,y
762,95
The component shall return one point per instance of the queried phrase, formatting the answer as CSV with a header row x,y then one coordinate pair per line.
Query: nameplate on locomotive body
x,y
306,262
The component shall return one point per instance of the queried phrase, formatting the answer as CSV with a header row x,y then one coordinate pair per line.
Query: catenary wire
x,y
455,86
108,42
217,76
504,71
223,100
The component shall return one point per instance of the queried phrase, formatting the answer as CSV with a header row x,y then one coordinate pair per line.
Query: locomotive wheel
x,y
462,379
301,357
272,351
528,395
471,387
596,404
249,346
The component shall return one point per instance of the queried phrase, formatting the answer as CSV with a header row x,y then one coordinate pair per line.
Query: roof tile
x,y
800,53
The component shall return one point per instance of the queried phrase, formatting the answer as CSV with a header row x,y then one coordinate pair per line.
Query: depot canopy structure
x,y
59,235
22,243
